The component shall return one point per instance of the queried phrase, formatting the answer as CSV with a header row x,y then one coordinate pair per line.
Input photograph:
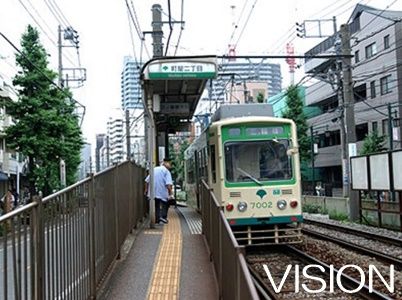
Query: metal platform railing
x,y
62,246
234,279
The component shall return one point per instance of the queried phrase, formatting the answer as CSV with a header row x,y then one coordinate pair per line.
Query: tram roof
x,y
176,85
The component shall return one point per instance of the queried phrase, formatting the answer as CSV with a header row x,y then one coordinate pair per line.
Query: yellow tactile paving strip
x,y
166,273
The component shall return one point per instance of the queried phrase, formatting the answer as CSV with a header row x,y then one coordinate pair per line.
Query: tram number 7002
x,y
261,204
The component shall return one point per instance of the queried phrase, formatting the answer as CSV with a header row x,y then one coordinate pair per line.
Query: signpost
x,y
181,70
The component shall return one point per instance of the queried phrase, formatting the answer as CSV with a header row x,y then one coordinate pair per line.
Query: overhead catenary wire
x,y
132,39
181,27
246,23
236,25
134,19
37,23
61,14
55,14
45,32
170,28
290,35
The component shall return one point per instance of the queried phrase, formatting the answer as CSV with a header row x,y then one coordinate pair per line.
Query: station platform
x,y
170,261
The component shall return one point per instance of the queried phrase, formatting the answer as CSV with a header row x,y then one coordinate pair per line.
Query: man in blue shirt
x,y
163,184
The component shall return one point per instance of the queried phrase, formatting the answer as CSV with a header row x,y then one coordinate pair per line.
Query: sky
x,y
263,27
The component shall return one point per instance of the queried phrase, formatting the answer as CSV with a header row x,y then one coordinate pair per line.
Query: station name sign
x,y
182,70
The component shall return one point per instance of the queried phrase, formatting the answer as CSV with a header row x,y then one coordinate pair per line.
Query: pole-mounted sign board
x,y
182,70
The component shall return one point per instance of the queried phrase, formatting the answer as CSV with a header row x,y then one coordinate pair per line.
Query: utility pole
x,y
128,133
62,164
67,34
349,115
157,32
59,48
312,158
150,134
390,130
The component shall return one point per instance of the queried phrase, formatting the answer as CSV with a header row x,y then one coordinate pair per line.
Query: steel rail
x,y
361,249
261,287
359,232
351,282
347,280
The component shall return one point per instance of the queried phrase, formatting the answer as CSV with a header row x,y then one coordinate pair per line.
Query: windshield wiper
x,y
250,176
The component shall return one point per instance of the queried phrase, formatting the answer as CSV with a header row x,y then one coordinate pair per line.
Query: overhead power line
x,y
170,27
181,27
44,75
245,24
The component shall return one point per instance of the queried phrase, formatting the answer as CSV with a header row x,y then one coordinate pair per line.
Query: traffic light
x,y
300,30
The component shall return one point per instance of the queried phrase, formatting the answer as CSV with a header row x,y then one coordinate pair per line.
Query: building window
x,y
385,127
385,84
386,41
361,131
371,50
374,126
372,89
357,58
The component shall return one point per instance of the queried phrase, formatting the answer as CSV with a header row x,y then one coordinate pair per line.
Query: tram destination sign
x,y
182,70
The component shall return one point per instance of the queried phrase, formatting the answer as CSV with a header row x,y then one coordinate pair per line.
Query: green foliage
x,y
176,150
373,143
294,111
338,216
46,128
260,97
314,209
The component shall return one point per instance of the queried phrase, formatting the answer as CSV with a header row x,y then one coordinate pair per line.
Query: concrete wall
x,y
338,205
331,204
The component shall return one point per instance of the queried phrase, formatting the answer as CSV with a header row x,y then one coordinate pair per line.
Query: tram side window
x,y
213,163
202,159
205,151
200,162
190,171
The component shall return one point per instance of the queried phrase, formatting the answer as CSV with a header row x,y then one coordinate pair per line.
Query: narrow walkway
x,y
168,262
166,275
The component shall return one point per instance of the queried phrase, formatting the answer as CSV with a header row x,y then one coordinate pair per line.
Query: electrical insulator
x,y
300,30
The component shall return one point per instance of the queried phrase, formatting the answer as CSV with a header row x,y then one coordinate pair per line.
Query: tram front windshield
x,y
257,161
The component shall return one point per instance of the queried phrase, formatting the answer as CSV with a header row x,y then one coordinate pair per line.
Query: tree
x,y
373,143
177,156
46,128
295,112
260,97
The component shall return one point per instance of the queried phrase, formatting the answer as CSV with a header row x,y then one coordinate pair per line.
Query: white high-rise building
x,y
85,165
131,95
131,100
117,139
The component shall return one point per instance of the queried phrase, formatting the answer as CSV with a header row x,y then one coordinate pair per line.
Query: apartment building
x,y
376,40
115,133
11,162
242,72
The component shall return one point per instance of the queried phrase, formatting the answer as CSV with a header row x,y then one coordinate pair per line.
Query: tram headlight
x,y
281,204
242,206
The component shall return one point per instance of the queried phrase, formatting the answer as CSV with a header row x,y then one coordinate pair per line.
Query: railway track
x,y
382,248
357,232
278,261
